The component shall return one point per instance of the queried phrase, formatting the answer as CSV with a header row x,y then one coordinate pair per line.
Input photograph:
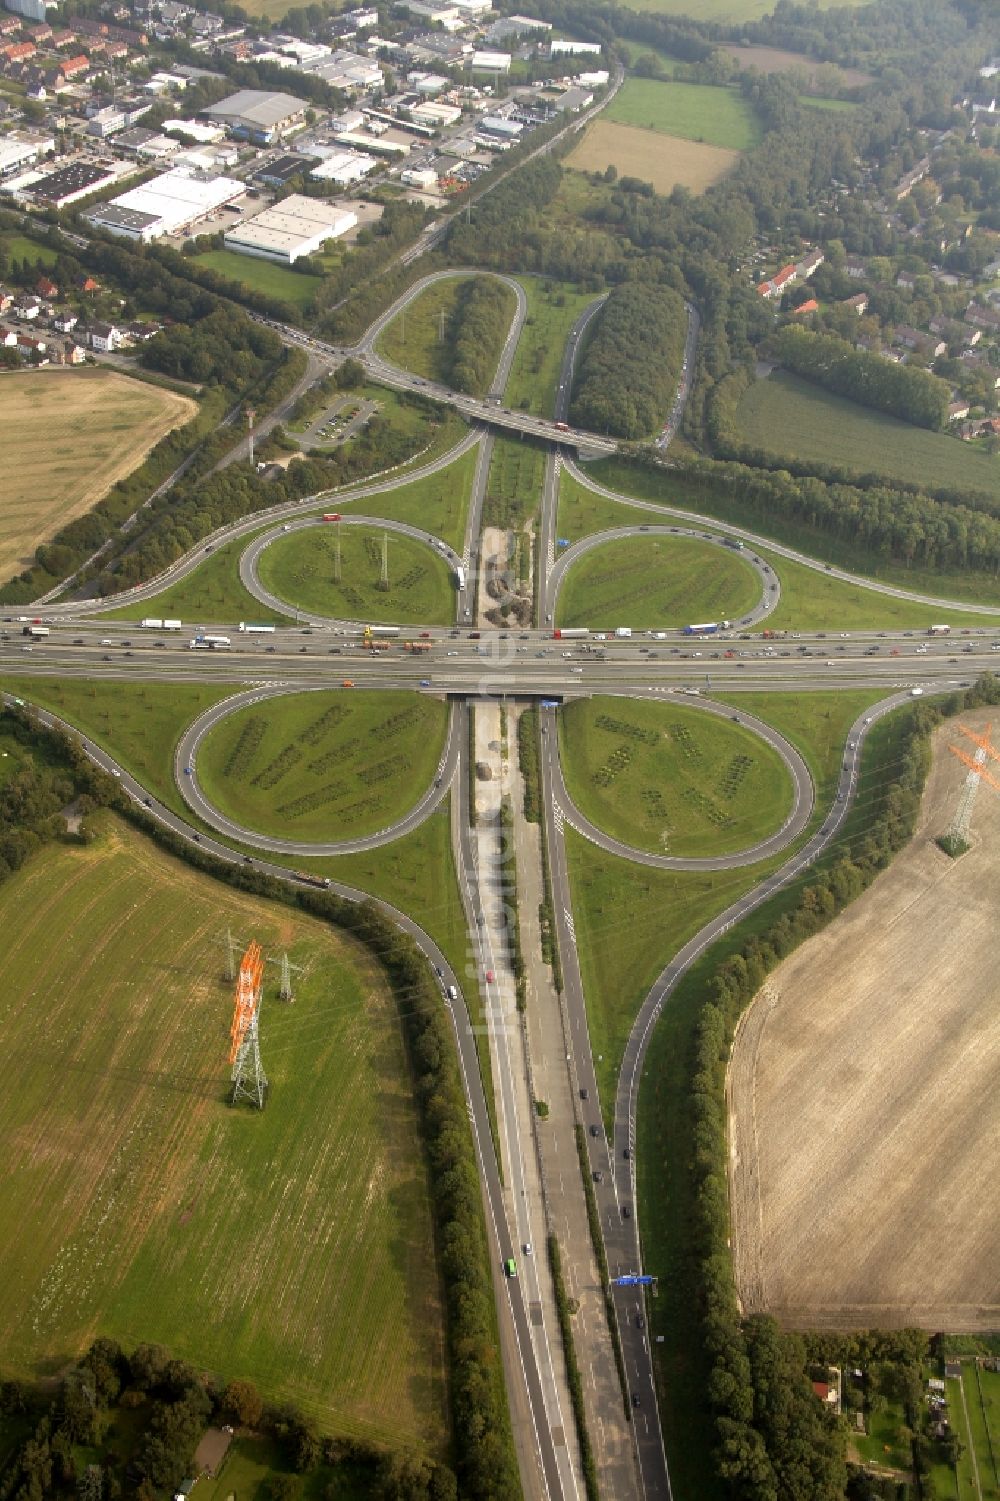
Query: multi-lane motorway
x,y
465,664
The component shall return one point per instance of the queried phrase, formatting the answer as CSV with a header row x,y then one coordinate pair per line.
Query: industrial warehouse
x,y
167,204
294,228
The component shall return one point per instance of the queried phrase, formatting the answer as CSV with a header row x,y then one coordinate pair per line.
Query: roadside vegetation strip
x,y
51,479
671,780
718,116
327,766
601,1256
104,1252
356,572
656,582
528,759
685,1070
138,724
511,924
553,308
787,417
461,338
565,1315
213,591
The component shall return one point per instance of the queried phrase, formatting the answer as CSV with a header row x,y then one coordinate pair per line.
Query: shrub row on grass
x,y
774,1438
903,391
482,1439
573,1371
479,326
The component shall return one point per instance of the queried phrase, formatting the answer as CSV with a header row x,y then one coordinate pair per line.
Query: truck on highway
x,y
250,629
151,624
460,577
210,643
35,630
310,880
623,632
332,516
172,625
707,628
734,543
381,630
939,630
561,427
568,633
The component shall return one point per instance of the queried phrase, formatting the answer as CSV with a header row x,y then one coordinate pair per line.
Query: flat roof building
x,y
491,62
168,204
257,113
344,167
70,183
292,229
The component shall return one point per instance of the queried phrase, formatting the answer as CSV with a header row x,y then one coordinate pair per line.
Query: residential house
x,y
906,280
65,320
40,33
810,306
31,345
859,302
909,180
981,366
8,338
6,299
810,263
18,52
74,66
68,352
777,283
27,306
855,267
957,410
9,26
63,38
88,284
46,288
105,337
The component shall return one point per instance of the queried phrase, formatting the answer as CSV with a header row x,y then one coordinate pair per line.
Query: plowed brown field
x,y
864,1097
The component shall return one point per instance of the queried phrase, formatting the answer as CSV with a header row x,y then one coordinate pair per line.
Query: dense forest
x,y
628,375
478,328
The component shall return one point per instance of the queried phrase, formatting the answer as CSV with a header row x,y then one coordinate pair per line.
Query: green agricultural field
x,y
295,287
790,417
694,111
672,780
325,765
137,723
212,593
301,568
665,487
656,583
293,1247
553,308
439,502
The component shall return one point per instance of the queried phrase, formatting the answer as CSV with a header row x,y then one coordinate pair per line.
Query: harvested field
x,y
660,159
68,436
863,1106
777,60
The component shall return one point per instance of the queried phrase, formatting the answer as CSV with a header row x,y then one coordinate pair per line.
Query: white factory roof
x,y
195,129
346,164
296,219
175,198
491,62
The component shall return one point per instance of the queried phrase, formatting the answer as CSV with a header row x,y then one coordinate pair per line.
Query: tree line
x,y
900,390
477,330
631,365
485,1462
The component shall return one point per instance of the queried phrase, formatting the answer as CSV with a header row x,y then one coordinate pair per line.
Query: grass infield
x,y
657,583
300,567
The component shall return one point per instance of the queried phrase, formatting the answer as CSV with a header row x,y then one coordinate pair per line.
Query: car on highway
x,y
490,977
640,1322
595,1130
425,682
347,683
527,1248
636,1400
585,1094
510,1267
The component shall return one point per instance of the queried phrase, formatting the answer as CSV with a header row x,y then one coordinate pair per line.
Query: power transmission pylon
x,y
285,992
383,582
232,947
249,1079
956,840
